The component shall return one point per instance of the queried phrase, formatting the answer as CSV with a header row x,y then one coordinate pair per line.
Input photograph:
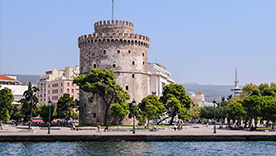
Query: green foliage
x,y
43,111
268,108
138,112
212,112
118,111
151,108
6,106
195,111
176,101
252,106
64,106
29,102
101,82
236,111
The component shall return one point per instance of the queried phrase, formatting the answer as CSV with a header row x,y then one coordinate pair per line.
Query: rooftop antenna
x,y
236,77
112,8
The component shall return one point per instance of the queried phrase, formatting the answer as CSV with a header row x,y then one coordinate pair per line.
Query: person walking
x,y
174,127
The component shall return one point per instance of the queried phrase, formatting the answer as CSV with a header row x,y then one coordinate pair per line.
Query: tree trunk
x,y
162,120
31,114
173,115
105,115
1,125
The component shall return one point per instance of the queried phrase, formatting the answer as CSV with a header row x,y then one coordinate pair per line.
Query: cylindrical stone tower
x,y
113,46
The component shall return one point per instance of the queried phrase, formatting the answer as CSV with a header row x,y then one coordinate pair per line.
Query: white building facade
x,y
158,78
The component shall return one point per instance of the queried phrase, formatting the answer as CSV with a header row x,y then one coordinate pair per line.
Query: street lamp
x,y
49,126
215,128
133,105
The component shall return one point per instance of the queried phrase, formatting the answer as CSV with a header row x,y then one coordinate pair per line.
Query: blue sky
x,y
197,40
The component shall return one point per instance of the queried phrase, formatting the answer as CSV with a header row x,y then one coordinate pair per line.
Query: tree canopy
x,y
6,106
28,109
176,101
65,107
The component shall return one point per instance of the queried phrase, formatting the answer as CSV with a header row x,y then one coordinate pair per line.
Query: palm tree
x,y
29,103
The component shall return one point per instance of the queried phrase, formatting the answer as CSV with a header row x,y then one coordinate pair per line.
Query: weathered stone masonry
x,y
113,46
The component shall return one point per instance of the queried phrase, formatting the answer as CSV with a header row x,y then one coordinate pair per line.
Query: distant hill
x,y
211,92
26,78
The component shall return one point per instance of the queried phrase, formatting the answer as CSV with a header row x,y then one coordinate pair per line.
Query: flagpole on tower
x,y
112,8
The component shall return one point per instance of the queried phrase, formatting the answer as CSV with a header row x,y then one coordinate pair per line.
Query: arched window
x,y
126,87
132,75
94,65
114,65
129,51
143,54
118,51
133,62
104,51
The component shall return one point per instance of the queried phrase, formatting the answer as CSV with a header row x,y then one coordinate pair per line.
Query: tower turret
x,y
113,46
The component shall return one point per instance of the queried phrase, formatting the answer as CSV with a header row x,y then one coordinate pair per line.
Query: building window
x,y
94,65
143,54
143,62
118,51
132,75
94,115
61,84
104,51
129,51
72,90
84,104
126,87
68,84
48,86
68,90
133,62
114,65
55,85
61,90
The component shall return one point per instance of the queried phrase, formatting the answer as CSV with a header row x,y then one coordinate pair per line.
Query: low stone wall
x,y
70,138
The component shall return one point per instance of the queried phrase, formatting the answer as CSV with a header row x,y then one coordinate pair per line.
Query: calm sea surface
x,y
139,148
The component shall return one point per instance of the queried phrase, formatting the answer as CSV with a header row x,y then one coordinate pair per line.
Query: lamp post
x,y
215,128
49,126
133,105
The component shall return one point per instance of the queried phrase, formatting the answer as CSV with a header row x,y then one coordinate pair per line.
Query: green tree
x,y
6,106
176,101
252,106
151,107
119,111
65,107
43,111
236,111
195,111
101,82
268,108
28,109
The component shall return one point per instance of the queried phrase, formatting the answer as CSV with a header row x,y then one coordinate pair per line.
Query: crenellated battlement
x,y
126,38
113,26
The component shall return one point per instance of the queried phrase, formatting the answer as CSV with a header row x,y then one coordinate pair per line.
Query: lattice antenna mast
x,y
236,77
112,8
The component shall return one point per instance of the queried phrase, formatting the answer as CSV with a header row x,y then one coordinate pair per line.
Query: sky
x,y
197,40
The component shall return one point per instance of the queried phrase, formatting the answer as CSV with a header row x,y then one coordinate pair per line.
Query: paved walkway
x,y
190,131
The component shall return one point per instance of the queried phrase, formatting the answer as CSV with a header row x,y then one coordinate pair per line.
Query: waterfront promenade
x,y
191,133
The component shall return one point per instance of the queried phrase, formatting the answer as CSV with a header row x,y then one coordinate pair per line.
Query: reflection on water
x,y
139,148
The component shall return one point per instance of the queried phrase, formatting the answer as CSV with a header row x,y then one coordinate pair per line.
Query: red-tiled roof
x,y
199,93
194,99
6,78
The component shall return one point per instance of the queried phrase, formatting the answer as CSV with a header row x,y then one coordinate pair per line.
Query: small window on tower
x,y
114,65
126,87
133,62
94,115
132,75
143,62
94,65
143,54
84,104
118,51
129,51
104,51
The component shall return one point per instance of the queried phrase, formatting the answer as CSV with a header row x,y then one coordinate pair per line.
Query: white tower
x,y
236,90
